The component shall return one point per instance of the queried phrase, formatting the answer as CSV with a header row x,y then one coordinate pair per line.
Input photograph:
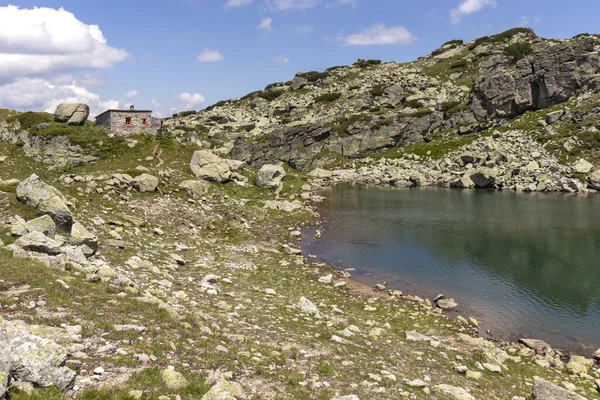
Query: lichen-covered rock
x,y
173,379
225,390
270,176
46,199
72,114
207,165
44,224
453,392
5,368
38,243
31,358
145,183
80,236
582,166
544,390
195,189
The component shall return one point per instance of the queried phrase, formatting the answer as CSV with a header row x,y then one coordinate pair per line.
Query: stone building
x,y
129,122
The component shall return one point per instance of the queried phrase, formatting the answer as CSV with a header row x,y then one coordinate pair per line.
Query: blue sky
x,y
149,51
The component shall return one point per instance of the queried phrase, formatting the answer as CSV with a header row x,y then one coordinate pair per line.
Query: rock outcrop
x,y
270,176
207,165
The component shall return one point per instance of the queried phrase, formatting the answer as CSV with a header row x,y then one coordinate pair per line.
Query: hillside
x,y
168,267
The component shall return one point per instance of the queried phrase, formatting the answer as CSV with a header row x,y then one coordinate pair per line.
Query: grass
x,y
29,120
271,95
328,97
314,76
501,37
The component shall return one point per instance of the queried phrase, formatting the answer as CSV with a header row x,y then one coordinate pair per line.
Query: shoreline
x,y
361,288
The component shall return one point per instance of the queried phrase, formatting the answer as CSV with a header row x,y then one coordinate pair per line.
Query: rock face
x,y
270,176
72,114
25,357
550,76
46,199
207,165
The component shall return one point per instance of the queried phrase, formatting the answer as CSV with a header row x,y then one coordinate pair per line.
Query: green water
x,y
523,264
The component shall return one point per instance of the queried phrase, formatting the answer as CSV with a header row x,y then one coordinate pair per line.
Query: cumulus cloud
x,y
43,41
131,93
38,94
190,100
237,3
282,60
282,5
265,24
378,35
207,55
467,7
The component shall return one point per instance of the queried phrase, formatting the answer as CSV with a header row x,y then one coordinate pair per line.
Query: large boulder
x,y
582,166
544,390
80,236
207,165
225,390
483,177
27,357
145,183
46,199
38,243
270,176
453,392
72,114
195,189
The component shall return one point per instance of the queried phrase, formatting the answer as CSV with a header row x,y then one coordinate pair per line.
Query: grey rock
x,y
308,307
173,379
225,390
39,243
453,392
145,183
270,176
207,165
544,390
72,114
46,199
80,236
196,189
44,224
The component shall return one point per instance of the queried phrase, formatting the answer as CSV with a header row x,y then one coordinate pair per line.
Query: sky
x,y
174,55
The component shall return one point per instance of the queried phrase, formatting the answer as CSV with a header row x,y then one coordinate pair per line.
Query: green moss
x,y
328,97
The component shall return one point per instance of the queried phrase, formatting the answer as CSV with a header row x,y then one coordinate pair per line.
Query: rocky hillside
x,y
513,81
168,267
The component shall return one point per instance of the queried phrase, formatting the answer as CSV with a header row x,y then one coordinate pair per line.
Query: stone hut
x,y
129,122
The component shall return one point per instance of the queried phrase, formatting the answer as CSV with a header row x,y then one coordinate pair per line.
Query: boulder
x,y
81,236
72,114
582,166
270,176
544,390
173,379
31,358
46,199
44,224
483,177
38,243
465,183
207,165
299,82
594,180
579,364
224,390
308,307
195,189
145,183
453,392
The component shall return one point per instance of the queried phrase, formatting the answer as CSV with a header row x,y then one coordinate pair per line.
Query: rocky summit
x,y
167,266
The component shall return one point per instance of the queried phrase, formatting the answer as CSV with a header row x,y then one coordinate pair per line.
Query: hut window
x,y
144,122
127,120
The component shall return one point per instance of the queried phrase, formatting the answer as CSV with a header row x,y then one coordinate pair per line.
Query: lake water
x,y
523,264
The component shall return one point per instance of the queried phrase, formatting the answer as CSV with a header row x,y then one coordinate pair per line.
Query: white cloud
x,y
352,3
303,29
238,3
467,7
42,41
265,24
378,35
131,93
282,60
39,94
191,100
92,80
282,5
207,55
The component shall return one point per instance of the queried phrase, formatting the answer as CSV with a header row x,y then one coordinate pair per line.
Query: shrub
x,y
366,63
414,103
328,97
335,68
506,35
518,50
416,114
455,42
459,64
378,90
314,76
270,95
186,113
30,120
447,105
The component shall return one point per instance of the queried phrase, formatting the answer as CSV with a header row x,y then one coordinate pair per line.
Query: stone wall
x,y
114,122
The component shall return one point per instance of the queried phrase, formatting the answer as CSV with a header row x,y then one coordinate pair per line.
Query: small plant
x,y
366,63
341,125
414,103
506,35
518,50
460,64
314,76
454,43
186,113
378,91
271,95
328,97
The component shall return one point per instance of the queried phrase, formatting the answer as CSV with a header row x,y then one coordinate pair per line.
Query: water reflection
x,y
521,263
